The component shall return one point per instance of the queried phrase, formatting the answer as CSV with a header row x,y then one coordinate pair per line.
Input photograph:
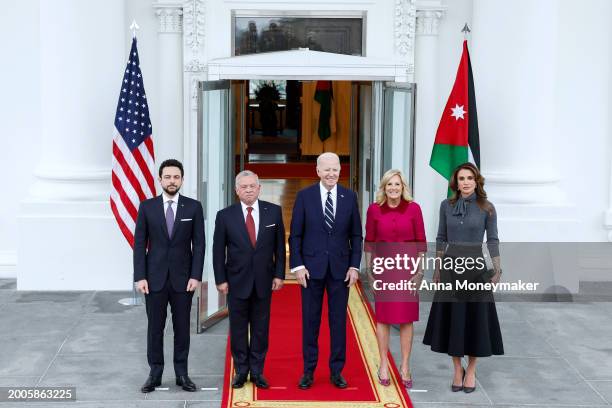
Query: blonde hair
x,y
381,197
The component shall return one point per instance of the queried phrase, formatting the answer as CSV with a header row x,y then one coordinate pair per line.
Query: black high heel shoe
x,y
457,388
468,390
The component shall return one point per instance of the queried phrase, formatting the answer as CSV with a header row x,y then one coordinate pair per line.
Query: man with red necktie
x,y
249,263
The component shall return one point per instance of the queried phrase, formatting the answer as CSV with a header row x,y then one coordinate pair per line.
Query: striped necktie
x,y
329,212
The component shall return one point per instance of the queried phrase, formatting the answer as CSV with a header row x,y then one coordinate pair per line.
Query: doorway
x,y
277,128
284,126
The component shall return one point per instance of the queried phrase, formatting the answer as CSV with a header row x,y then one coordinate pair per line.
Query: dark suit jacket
x,y
236,261
311,245
158,257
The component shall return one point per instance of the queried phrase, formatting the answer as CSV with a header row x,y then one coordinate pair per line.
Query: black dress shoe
x,y
150,384
306,381
239,380
260,381
185,382
338,380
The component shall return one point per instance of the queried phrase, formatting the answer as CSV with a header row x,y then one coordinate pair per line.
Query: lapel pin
x,y
342,195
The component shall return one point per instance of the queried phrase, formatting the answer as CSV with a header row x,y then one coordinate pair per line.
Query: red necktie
x,y
250,225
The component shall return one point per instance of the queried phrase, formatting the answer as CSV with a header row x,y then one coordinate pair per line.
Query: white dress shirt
x,y
254,213
334,197
167,200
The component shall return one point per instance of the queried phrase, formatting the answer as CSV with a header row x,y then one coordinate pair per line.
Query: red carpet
x,y
284,362
289,170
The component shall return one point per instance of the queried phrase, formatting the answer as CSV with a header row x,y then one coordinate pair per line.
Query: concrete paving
x,y
557,355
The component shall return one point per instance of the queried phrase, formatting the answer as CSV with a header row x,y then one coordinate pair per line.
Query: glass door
x,y
382,119
215,184
397,142
362,145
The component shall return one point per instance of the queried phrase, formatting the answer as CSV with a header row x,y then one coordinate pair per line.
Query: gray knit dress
x,y
465,322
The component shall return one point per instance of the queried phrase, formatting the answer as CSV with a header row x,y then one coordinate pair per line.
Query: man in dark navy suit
x,y
249,263
168,263
325,253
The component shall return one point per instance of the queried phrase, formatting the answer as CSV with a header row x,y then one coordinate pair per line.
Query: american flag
x,y
133,158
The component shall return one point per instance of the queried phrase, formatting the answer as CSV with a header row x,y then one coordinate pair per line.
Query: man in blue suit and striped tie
x,y
325,253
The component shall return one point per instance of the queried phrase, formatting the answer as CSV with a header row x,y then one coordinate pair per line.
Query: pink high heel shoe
x,y
385,382
406,383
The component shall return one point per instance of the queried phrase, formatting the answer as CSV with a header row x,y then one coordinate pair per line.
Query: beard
x,y
172,192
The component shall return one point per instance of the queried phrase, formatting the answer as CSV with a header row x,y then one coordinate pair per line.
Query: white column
x,y
608,215
80,57
194,70
514,63
430,187
514,59
68,239
168,130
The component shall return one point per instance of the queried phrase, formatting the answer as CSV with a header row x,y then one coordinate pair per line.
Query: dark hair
x,y
481,194
171,163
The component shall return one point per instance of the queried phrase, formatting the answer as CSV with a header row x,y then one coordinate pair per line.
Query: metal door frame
x,y
204,323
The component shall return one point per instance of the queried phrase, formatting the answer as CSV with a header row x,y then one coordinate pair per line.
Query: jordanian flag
x,y
457,133
324,95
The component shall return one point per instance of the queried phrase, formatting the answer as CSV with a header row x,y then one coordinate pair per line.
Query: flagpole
x,y
135,300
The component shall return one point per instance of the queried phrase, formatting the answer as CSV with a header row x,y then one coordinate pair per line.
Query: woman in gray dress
x,y
461,322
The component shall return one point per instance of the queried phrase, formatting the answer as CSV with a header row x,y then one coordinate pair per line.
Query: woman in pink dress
x,y
395,221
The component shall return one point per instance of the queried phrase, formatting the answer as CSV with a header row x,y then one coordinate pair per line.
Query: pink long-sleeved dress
x,y
402,224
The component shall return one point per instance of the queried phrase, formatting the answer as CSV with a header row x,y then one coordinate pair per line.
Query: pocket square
x,y
271,225
186,219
